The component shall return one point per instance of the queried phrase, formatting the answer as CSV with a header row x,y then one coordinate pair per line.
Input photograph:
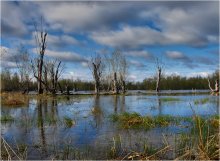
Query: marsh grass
x,y
201,101
14,99
202,143
169,99
68,122
19,152
136,121
7,118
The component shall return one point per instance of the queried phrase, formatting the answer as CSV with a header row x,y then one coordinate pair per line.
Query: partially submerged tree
x,y
216,89
123,69
117,71
159,74
40,37
55,71
97,67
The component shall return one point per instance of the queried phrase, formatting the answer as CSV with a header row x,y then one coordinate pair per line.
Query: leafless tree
x,y
159,67
22,59
97,67
123,69
118,70
52,70
40,37
216,89
55,70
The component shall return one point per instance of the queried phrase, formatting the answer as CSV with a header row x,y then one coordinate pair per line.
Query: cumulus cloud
x,y
85,16
65,56
176,55
197,74
7,58
14,18
137,64
141,54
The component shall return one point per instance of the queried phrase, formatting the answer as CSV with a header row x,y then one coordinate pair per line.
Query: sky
x,y
184,36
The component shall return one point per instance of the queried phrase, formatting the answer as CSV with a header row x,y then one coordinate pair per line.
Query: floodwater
x,y
41,125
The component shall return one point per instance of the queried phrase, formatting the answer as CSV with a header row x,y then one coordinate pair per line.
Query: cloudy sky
x,y
183,35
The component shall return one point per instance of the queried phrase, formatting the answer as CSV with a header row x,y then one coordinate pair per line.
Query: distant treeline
x,y
11,82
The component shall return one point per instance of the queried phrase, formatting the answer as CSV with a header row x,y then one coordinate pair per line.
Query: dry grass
x,y
13,99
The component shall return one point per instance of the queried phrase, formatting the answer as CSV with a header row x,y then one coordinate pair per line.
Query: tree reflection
x,y
97,112
40,121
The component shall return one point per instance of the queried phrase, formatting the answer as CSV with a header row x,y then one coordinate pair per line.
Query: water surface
x,y
41,124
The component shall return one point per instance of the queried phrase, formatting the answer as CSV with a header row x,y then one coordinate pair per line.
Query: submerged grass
x,y
201,101
168,99
7,118
68,122
135,120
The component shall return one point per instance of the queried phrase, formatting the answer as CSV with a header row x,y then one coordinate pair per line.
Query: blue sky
x,y
183,35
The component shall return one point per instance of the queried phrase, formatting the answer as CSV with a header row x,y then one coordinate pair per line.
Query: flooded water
x,y
41,125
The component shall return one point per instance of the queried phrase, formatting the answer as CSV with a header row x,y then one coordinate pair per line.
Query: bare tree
x,y
123,69
119,69
159,74
40,37
97,67
22,59
52,70
216,89
55,70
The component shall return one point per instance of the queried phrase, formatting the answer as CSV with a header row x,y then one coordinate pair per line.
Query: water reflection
x,y
41,122
97,112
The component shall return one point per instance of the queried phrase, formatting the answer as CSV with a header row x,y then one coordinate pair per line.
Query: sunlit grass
x,y
201,101
7,118
169,99
68,122
135,120
13,99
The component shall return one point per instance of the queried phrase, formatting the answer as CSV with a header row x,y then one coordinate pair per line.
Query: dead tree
x,y
55,71
97,68
159,73
40,37
123,72
216,89
115,84
22,60
52,71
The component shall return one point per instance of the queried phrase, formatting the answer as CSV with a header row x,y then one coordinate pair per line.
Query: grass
x,y
68,122
202,143
201,101
168,99
7,118
136,121
13,99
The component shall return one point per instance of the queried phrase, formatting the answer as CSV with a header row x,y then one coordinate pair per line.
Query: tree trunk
x,y
123,86
97,87
216,90
115,87
158,81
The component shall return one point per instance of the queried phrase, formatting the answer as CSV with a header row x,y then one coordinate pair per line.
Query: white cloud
x,y
65,56
201,74
129,37
142,54
136,63
8,57
61,40
175,55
